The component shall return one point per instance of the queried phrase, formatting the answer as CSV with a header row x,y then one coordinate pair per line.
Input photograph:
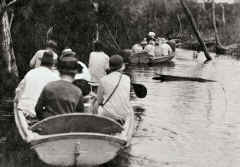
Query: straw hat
x,y
68,64
68,52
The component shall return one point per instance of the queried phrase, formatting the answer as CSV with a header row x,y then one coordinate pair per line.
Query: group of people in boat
x,y
58,84
154,46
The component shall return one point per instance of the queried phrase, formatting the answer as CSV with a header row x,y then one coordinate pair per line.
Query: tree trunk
x,y
8,67
194,26
180,26
218,43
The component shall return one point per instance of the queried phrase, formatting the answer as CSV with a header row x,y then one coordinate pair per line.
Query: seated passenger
x,y
37,58
84,73
30,88
114,92
166,49
61,96
150,48
137,48
158,52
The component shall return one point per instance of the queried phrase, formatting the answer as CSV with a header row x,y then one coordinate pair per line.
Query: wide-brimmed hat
x,y
68,52
116,62
68,64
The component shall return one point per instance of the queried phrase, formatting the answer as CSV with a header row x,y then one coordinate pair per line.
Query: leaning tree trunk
x,y
195,29
180,26
8,67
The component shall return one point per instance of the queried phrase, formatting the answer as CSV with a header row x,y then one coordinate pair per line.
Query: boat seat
x,y
76,122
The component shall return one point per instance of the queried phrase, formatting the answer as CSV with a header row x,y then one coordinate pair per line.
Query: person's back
x,y
32,85
114,92
37,58
167,50
98,63
137,48
61,96
150,49
118,107
158,51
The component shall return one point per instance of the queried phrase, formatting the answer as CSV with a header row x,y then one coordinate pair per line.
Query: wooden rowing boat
x,y
75,139
145,58
162,59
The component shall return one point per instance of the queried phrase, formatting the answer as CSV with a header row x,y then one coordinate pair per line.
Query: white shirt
x,y
85,73
118,107
98,64
30,88
150,49
137,48
166,49
37,58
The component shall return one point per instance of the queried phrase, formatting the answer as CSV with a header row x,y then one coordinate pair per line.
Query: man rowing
x,y
113,96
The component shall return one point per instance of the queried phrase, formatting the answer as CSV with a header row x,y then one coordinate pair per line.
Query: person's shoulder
x,y
126,77
40,52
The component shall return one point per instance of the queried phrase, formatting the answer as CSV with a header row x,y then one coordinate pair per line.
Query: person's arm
x,y
39,108
19,90
80,106
33,60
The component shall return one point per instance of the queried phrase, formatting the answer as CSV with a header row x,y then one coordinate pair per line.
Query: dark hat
x,y
68,64
68,52
115,62
47,59
52,44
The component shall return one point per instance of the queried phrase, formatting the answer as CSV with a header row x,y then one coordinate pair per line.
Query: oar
x,y
163,77
139,89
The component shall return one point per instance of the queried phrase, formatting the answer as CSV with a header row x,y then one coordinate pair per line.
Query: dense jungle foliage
x,y
121,24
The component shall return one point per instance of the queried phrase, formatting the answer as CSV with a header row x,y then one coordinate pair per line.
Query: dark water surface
x,y
185,123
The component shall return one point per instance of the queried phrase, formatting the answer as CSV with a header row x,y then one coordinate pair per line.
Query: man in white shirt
x,y
114,92
37,58
30,88
150,48
84,72
98,62
166,49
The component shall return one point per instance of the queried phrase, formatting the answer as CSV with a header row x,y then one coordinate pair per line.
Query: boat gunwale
x,y
49,138
75,114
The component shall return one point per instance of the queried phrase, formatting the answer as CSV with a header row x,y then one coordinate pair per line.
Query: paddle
x,y
163,78
139,89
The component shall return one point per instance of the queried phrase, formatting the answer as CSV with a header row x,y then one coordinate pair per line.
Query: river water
x,y
184,123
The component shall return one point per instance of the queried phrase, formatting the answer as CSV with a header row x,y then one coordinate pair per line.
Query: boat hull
x,y
162,59
145,58
64,145
77,149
